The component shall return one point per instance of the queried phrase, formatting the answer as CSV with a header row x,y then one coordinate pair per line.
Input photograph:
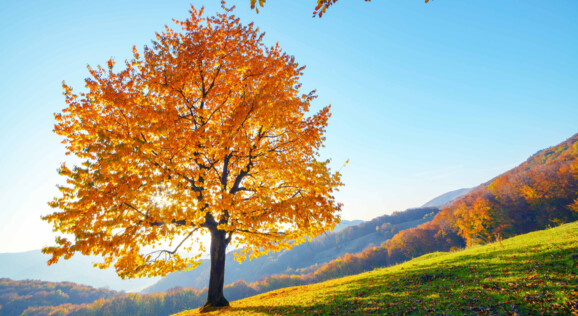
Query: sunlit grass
x,y
534,273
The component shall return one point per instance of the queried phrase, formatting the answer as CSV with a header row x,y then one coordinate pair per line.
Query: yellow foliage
x,y
205,131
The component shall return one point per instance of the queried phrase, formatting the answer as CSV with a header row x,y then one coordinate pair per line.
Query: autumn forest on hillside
x,y
203,163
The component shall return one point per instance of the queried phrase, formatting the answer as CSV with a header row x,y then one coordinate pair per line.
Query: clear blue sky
x,y
427,98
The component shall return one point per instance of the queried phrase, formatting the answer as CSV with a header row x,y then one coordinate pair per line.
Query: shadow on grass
x,y
346,307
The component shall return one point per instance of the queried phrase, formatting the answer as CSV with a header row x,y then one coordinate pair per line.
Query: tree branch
x,y
135,209
170,253
278,234
194,187
245,172
228,239
225,173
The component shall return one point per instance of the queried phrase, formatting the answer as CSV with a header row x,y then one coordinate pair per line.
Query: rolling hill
x,y
535,273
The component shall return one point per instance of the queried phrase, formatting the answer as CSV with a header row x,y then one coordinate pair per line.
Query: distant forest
x,y
16,296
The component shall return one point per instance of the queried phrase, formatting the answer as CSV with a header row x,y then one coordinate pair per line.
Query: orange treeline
x,y
17,296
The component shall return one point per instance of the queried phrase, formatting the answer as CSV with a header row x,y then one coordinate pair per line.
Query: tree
x,y
206,132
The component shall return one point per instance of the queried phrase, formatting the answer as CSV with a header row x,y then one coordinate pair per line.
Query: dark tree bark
x,y
215,298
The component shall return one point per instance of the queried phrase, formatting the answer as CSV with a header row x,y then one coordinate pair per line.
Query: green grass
x,y
531,274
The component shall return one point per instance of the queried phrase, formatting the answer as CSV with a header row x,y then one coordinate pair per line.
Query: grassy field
x,y
531,274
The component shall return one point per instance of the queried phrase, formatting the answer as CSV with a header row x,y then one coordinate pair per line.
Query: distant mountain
x,y
352,239
31,265
447,198
346,223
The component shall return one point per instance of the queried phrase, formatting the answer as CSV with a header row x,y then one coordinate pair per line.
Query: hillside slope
x,y
352,239
540,192
535,273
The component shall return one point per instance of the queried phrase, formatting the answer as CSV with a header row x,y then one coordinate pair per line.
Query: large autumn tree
x,y
205,132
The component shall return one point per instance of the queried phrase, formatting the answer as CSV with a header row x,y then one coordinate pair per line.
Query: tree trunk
x,y
217,279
